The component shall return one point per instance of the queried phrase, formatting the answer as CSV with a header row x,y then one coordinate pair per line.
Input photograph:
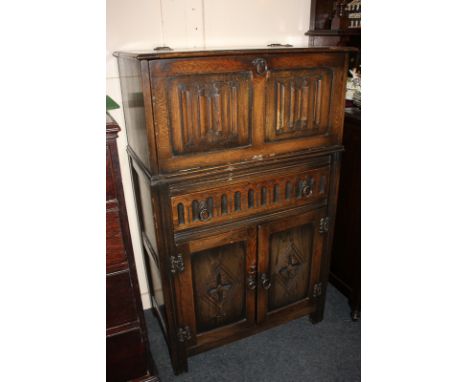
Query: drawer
x,y
115,250
120,305
239,199
111,193
125,356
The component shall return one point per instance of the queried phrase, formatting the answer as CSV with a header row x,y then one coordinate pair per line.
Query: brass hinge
x,y
324,225
177,263
317,290
183,334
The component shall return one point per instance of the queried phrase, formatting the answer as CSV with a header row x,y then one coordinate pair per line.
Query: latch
x,y
317,292
177,263
183,334
324,225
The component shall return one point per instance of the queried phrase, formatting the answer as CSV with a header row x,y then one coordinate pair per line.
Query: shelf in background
x,y
329,32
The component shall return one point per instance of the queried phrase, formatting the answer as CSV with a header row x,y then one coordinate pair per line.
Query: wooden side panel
x,y
133,106
209,112
155,280
145,206
290,264
219,285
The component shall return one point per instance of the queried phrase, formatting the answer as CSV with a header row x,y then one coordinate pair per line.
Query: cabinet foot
x,y
315,318
179,364
179,361
355,315
180,367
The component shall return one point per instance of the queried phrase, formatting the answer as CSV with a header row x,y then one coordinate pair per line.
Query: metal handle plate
x,y
266,284
261,66
251,282
204,214
306,191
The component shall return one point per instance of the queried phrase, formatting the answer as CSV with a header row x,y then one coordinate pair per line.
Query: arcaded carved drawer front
x,y
210,112
247,198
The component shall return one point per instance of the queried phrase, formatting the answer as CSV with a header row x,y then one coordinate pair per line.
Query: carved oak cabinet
x,y
235,156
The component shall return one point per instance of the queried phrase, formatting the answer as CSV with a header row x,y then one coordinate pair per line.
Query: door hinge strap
x,y
324,222
177,263
183,334
317,290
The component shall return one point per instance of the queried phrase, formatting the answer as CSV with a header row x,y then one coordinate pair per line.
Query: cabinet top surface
x,y
204,52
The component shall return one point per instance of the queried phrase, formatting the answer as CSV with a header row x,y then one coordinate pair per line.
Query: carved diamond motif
x,y
218,293
293,263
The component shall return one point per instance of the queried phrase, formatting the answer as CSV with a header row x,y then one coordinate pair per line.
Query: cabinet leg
x,y
355,303
355,314
179,365
178,359
316,317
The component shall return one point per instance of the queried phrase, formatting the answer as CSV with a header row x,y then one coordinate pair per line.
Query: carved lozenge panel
x,y
290,261
210,112
218,285
298,103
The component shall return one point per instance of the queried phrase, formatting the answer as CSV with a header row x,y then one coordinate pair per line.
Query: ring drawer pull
x,y
306,191
266,284
261,66
251,282
204,214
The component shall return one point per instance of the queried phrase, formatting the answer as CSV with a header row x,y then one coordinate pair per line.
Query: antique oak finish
x,y
128,356
235,157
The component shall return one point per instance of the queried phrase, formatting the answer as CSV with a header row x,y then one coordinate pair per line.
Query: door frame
x,y
185,293
308,304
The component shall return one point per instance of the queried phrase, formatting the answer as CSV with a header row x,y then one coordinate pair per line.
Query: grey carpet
x,y
296,351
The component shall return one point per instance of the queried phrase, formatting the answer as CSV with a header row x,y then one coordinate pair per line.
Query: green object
x,y
111,104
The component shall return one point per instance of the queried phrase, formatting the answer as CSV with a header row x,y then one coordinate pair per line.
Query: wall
x,y
145,24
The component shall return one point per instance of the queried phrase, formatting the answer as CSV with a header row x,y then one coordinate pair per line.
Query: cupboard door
x,y
205,109
298,103
304,100
217,110
216,290
290,255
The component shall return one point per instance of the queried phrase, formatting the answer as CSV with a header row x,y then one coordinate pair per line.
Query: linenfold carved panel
x,y
298,103
210,112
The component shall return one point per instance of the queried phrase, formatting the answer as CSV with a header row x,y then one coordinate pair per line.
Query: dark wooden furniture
x,y
128,357
324,32
235,156
345,271
324,28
